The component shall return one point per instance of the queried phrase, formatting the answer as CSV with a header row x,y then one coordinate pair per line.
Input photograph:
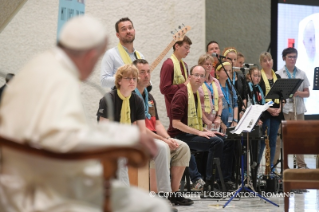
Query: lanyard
x,y
234,77
293,74
147,115
210,87
226,95
253,93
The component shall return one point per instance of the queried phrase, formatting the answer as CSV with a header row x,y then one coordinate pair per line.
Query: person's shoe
x,y
304,167
198,185
177,199
172,209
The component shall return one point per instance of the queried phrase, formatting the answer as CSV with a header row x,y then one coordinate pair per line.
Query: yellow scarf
x,y
125,110
194,118
274,77
124,55
178,76
206,99
215,95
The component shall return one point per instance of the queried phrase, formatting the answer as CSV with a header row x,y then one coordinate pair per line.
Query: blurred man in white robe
x,y
43,106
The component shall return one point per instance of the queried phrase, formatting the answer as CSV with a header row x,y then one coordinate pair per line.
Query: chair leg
x,y
188,182
286,197
185,178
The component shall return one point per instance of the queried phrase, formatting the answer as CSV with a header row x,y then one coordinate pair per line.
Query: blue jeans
x,y
193,171
273,125
214,146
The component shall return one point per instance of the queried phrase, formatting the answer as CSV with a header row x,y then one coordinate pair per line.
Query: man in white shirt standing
x,y
43,106
123,53
290,71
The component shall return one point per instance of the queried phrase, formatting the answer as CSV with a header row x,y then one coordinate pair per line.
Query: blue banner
x,y
69,9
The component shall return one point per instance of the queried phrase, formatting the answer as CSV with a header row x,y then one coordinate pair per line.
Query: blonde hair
x,y
264,55
228,50
203,58
220,66
125,70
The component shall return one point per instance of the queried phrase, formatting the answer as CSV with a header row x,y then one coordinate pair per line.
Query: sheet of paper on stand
x,y
250,117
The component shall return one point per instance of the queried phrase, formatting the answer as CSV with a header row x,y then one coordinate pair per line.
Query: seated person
x,y
129,109
186,122
47,112
211,100
179,150
210,95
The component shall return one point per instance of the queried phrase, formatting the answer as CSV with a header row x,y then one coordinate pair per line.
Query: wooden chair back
x,y
136,157
299,137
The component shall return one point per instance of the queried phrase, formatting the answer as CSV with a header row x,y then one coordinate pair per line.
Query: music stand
x,y
249,119
282,90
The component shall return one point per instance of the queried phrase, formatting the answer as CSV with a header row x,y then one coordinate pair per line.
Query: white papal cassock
x,y
42,104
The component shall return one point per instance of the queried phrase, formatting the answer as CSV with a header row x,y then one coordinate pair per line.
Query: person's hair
x,y
139,61
192,68
123,71
218,70
239,54
9,76
211,43
185,40
227,81
264,55
203,58
229,49
122,20
251,70
289,50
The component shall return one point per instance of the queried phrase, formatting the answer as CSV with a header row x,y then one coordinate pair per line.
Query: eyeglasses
x,y
187,48
199,76
129,79
292,57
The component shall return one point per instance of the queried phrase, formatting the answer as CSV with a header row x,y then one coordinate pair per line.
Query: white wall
x,y
243,24
33,30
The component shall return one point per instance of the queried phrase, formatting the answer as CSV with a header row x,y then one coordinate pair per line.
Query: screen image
x,y
298,26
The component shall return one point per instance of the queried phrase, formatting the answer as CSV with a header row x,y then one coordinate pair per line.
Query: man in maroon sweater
x,y
196,137
174,74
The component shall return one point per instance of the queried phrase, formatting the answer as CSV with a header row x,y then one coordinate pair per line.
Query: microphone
x,y
248,65
219,56
241,69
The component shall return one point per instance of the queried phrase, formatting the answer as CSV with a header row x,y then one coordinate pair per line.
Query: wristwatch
x,y
235,120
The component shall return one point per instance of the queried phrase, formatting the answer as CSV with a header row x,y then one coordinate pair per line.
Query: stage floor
x,y
307,201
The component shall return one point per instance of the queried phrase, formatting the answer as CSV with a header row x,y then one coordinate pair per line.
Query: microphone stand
x,y
239,99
